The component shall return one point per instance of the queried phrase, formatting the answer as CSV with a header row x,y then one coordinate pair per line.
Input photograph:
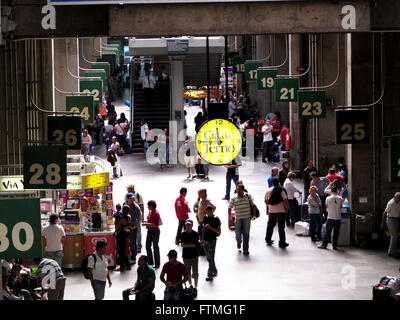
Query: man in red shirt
x,y
176,276
332,176
284,132
181,209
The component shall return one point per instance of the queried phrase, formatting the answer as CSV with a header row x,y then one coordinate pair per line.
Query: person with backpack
x,y
122,232
97,269
277,203
243,205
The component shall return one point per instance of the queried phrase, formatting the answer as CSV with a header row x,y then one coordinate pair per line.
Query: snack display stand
x,y
86,213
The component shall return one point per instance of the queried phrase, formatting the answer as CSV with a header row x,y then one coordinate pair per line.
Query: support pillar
x,y
63,80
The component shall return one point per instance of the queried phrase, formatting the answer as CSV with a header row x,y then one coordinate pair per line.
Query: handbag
x,y
255,213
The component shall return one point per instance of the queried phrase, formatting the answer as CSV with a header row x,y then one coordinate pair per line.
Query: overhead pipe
x,y
267,57
284,62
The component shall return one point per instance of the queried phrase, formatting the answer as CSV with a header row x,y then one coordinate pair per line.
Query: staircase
x,y
157,117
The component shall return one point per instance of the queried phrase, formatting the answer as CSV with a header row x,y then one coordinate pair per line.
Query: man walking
x,y
51,278
190,255
334,207
211,230
243,205
144,130
98,270
268,141
144,286
181,209
276,201
54,235
232,173
307,178
392,215
176,276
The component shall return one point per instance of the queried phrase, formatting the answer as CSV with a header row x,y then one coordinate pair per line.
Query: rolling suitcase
x,y
304,212
231,220
199,169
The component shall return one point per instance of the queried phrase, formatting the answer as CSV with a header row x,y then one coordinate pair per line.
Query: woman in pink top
x,y
276,126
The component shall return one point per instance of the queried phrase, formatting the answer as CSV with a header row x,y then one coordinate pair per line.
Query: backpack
x,y
276,196
386,289
85,265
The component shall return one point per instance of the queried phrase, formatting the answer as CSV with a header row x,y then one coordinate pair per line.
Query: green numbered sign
x,y
230,56
238,64
250,70
45,167
98,73
352,126
110,58
93,87
20,228
266,79
65,131
312,104
286,89
394,166
104,66
82,105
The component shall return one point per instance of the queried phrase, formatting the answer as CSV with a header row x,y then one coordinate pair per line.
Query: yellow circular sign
x,y
218,141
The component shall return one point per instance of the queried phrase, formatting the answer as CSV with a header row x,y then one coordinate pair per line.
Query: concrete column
x,y
86,50
295,123
96,49
177,101
63,80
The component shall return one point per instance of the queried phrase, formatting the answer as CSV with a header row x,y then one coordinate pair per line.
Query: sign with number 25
x,y
45,167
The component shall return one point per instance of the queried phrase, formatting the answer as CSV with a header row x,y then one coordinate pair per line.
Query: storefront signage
x,y
177,46
20,228
96,180
11,183
74,182
83,105
200,94
312,104
45,167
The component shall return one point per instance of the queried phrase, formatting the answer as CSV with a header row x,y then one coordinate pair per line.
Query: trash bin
x,y
344,235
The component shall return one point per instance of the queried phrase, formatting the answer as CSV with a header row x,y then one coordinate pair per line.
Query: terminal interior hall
x,y
327,69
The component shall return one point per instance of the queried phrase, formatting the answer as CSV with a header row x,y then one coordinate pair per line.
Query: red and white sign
x,y
90,246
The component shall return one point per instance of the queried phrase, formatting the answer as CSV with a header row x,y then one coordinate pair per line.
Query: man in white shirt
x,y
98,270
334,205
392,215
148,85
267,141
293,204
55,236
144,129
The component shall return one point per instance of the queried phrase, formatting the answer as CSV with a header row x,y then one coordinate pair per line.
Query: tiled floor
x,y
299,272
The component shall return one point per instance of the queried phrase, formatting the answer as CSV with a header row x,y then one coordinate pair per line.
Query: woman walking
x,y
122,231
153,234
